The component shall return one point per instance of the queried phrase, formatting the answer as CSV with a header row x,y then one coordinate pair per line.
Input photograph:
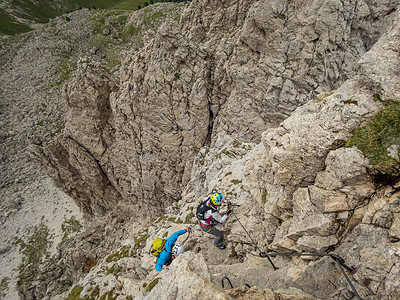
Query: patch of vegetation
x,y
128,32
338,144
65,67
36,246
281,16
367,281
162,218
34,249
264,197
70,226
129,298
228,153
75,293
165,234
101,42
151,285
236,144
377,136
189,217
114,269
94,292
140,240
108,296
350,101
177,76
9,25
227,174
323,96
4,286
121,253
377,98
236,181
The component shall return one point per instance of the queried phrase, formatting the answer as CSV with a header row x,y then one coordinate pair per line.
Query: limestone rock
x,y
188,279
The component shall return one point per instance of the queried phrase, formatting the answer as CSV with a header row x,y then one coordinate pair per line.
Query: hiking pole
x,y
261,254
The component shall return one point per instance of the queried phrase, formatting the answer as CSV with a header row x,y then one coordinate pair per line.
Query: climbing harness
x,y
340,261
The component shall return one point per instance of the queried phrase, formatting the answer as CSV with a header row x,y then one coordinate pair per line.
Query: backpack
x,y
201,210
157,246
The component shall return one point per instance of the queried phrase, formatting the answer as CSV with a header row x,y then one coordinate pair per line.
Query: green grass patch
x,y
122,252
114,269
34,250
9,25
374,138
36,11
236,181
75,292
338,144
151,285
117,4
70,226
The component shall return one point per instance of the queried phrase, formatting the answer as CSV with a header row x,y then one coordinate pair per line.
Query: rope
x,y
260,252
340,261
189,232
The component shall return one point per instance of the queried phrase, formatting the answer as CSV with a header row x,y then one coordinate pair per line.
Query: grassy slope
x,y
35,11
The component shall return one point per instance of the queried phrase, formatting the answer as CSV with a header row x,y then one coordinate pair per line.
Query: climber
x,y
208,215
166,250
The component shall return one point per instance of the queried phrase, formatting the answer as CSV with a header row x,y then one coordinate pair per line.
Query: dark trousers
x,y
219,237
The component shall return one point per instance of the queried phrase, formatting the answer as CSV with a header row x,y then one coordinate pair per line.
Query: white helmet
x,y
178,249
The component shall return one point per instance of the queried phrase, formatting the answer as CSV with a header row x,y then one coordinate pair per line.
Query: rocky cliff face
x,y
229,68
249,98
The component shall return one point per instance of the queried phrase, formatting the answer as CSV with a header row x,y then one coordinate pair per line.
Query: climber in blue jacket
x,y
170,249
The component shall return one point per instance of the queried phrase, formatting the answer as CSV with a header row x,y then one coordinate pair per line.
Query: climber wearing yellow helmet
x,y
208,215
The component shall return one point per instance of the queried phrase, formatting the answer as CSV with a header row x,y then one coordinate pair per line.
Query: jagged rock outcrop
x,y
236,68
187,118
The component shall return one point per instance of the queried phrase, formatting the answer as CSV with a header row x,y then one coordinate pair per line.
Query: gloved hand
x,y
228,212
188,229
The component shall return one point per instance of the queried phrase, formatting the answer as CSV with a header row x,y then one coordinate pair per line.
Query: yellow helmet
x,y
216,199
